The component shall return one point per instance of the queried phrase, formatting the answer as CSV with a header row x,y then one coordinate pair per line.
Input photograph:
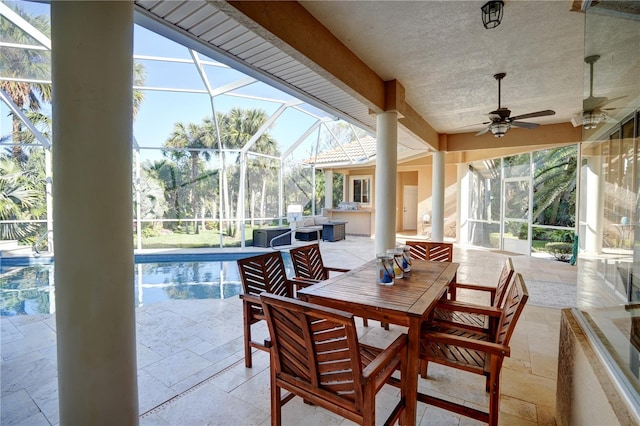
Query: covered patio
x,y
191,368
424,93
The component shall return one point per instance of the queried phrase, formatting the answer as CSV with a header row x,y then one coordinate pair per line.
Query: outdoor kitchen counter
x,y
359,222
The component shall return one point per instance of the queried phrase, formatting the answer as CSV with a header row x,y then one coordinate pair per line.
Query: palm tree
x,y
191,138
167,172
236,129
139,78
554,186
24,63
17,198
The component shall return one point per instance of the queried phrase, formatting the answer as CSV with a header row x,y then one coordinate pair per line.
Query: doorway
x,y
409,207
516,202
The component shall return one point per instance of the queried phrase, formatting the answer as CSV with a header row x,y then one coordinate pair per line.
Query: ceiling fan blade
x,y
534,114
474,125
597,102
592,102
524,124
483,131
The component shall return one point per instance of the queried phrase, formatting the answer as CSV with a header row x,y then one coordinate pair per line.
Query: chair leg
x,y
494,390
423,368
494,401
384,325
247,337
369,408
276,402
365,322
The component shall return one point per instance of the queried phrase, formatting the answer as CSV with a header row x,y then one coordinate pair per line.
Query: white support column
x,y
92,207
328,189
437,197
386,168
594,200
462,211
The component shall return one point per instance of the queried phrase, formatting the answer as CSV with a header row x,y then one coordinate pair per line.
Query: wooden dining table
x,y
407,303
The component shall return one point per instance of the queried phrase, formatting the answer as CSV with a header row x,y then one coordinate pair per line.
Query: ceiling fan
x,y
593,112
501,121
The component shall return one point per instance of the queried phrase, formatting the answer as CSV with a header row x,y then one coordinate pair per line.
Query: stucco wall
x,y
586,393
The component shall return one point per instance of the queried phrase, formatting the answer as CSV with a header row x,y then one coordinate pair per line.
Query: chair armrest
x,y
478,287
479,345
302,282
329,268
250,298
382,360
452,305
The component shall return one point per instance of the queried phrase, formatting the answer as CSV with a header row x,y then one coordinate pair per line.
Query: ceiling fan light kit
x,y
591,119
593,113
501,120
492,13
499,129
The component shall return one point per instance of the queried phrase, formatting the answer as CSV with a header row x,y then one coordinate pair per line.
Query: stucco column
x,y
463,208
437,197
386,168
92,211
594,201
328,189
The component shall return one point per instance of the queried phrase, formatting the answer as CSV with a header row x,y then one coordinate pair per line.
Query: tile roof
x,y
352,152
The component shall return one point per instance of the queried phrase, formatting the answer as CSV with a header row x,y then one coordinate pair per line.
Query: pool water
x,y
30,290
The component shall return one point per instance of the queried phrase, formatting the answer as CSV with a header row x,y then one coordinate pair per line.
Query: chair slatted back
x,y
307,262
315,348
514,304
429,250
503,283
265,272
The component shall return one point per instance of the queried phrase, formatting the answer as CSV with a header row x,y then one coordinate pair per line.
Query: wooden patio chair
x,y
265,272
474,316
431,250
315,354
476,352
308,265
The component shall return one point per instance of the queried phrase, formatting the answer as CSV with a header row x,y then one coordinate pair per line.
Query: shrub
x,y
211,225
561,251
149,232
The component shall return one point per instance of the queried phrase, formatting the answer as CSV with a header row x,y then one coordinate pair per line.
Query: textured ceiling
x,y
446,59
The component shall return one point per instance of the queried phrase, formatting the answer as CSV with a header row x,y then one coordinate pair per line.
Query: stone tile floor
x,y
191,368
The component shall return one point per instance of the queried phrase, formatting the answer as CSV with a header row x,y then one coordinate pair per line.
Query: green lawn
x,y
205,238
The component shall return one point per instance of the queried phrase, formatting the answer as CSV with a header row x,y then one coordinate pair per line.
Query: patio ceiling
x,y
431,60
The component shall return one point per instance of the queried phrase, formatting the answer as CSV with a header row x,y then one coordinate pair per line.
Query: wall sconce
x,y
492,13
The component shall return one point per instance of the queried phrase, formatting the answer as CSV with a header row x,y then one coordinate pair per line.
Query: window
x,y
361,189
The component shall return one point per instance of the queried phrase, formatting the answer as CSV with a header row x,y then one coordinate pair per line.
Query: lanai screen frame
x,y
318,132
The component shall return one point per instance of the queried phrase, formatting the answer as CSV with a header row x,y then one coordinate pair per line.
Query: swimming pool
x,y
30,289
